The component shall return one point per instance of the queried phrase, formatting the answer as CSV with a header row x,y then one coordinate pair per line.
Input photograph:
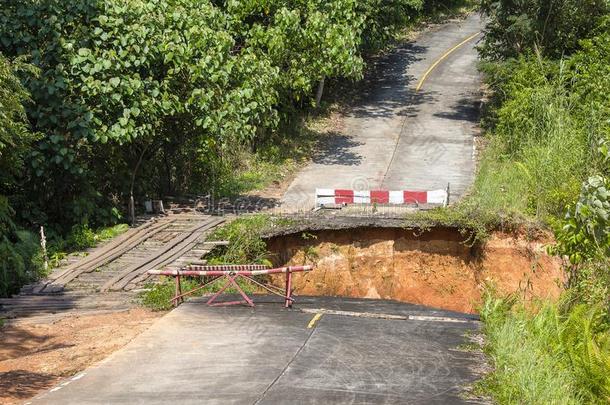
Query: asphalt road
x,y
398,138
268,355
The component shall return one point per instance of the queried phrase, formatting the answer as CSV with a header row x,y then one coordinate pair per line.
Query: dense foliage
x,y
18,248
549,354
182,85
555,27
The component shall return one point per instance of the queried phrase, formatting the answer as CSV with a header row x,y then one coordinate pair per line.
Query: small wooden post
x,y
43,246
288,302
132,211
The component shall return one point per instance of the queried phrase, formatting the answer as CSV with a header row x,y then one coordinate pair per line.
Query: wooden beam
x,y
172,249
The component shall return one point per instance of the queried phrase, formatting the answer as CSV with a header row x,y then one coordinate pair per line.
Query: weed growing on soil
x,y
157,297
105,234
474,222
81,237
549,354
246,244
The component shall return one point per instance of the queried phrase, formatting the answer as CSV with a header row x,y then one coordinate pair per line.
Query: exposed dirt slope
x,y
434,268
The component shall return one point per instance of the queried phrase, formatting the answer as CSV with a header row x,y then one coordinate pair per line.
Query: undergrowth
x,y
157,297
547,353
274,160
80,238
245,240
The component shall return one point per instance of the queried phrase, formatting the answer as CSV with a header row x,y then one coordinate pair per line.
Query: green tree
x,y
18,248
15,135
555,27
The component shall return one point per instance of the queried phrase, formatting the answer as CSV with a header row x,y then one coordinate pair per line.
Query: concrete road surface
x,y
398,138
269,355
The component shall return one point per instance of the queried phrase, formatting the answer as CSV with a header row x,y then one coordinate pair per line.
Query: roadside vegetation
x,y
545,161
547,354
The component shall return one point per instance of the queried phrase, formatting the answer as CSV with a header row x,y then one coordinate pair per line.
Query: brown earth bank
x,y
35,356
434,267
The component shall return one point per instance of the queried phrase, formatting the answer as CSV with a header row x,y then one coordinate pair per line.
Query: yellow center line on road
x,y
439,60
313,321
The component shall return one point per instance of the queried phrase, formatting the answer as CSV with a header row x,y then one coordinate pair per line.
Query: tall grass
x,y
550,354
539,150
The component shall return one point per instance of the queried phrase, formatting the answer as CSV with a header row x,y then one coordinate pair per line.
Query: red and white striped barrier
x,y
231,272
325,196
222,270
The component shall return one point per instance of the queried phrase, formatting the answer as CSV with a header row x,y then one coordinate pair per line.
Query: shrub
x,y
555,27
583,237
81,237
245,242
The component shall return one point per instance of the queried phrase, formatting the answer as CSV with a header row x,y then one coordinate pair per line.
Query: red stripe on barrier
x,y
344,196
380,196
420,197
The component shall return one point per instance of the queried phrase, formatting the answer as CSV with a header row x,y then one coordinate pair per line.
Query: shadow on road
x,y
465,109
387,88
22,384
336,150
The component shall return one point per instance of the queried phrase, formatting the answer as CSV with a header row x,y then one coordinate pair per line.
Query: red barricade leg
x,y
231,281
288,300
178,297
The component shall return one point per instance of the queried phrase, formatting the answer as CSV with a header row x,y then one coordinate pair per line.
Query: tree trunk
x,y
320,92
131,207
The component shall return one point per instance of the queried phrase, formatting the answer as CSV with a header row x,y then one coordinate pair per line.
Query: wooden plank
x,y
57,298
192,262
98,255
155,259
141,274
103,250
110,256
216,242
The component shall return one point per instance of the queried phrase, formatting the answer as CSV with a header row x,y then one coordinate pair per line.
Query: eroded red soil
x,y
434,268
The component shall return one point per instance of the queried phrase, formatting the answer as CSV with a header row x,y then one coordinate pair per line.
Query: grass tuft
x,y
549,354
157,297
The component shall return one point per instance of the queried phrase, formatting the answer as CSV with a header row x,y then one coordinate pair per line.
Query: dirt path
x,y
35,356
397,138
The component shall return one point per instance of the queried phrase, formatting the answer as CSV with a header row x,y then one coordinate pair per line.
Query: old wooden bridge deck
x,y
108,277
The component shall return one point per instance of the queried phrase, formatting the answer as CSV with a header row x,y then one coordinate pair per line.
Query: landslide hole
x,y
433,267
